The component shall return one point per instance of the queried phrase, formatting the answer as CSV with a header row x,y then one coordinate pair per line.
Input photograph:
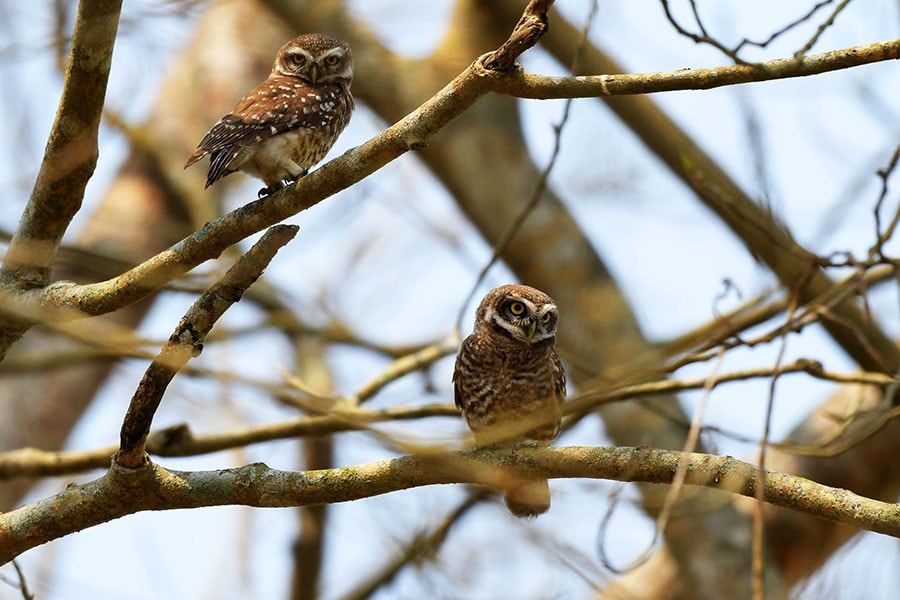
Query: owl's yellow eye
x,y
298,59
517,308
546,318
332,60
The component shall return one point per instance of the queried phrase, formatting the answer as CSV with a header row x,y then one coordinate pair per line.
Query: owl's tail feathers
x,y
529,498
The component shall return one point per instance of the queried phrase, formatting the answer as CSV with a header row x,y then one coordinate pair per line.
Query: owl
x,y
510,384
288,123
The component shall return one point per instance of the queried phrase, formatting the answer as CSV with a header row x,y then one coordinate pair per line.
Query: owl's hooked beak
x,y
530,329
313,72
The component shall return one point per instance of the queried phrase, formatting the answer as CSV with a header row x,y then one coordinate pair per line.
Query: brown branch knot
x,y
528,31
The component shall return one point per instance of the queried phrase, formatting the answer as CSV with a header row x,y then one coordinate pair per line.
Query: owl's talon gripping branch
x,y
271,189
290,121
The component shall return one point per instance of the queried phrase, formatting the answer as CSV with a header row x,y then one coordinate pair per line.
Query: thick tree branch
x,y
69,160
188,339
71,153
127,491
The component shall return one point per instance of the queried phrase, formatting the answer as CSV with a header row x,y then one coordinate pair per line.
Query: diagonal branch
x,y
66,300
188,339
71,153
530,28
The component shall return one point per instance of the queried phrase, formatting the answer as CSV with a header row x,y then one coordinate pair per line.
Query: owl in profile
x,y
509,382
288,123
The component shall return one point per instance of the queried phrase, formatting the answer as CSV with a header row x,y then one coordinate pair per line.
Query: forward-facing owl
x,y
288,123
509,382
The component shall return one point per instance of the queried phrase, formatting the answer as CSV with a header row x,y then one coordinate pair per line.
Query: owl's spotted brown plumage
x,y
509,382
290,121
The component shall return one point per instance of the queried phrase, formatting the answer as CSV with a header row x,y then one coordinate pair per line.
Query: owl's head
x,y
315,58
521,312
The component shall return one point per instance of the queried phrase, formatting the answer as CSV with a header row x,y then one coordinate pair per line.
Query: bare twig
x,y
704,36
752,313
757,561
821,29
883,236
23,582
540,186
422,546
404,365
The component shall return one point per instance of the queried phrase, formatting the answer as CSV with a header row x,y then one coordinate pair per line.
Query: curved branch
x,y
127,491
188,339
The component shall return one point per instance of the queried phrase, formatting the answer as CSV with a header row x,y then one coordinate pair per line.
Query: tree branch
x,y
525,85
69,160
188,338
530,28
127,491
179,440
71,153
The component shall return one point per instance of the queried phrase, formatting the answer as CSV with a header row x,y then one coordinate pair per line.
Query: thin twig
x,y
422,546
705,38
821,29
23,582
539,187
883,236
758,567
404,365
